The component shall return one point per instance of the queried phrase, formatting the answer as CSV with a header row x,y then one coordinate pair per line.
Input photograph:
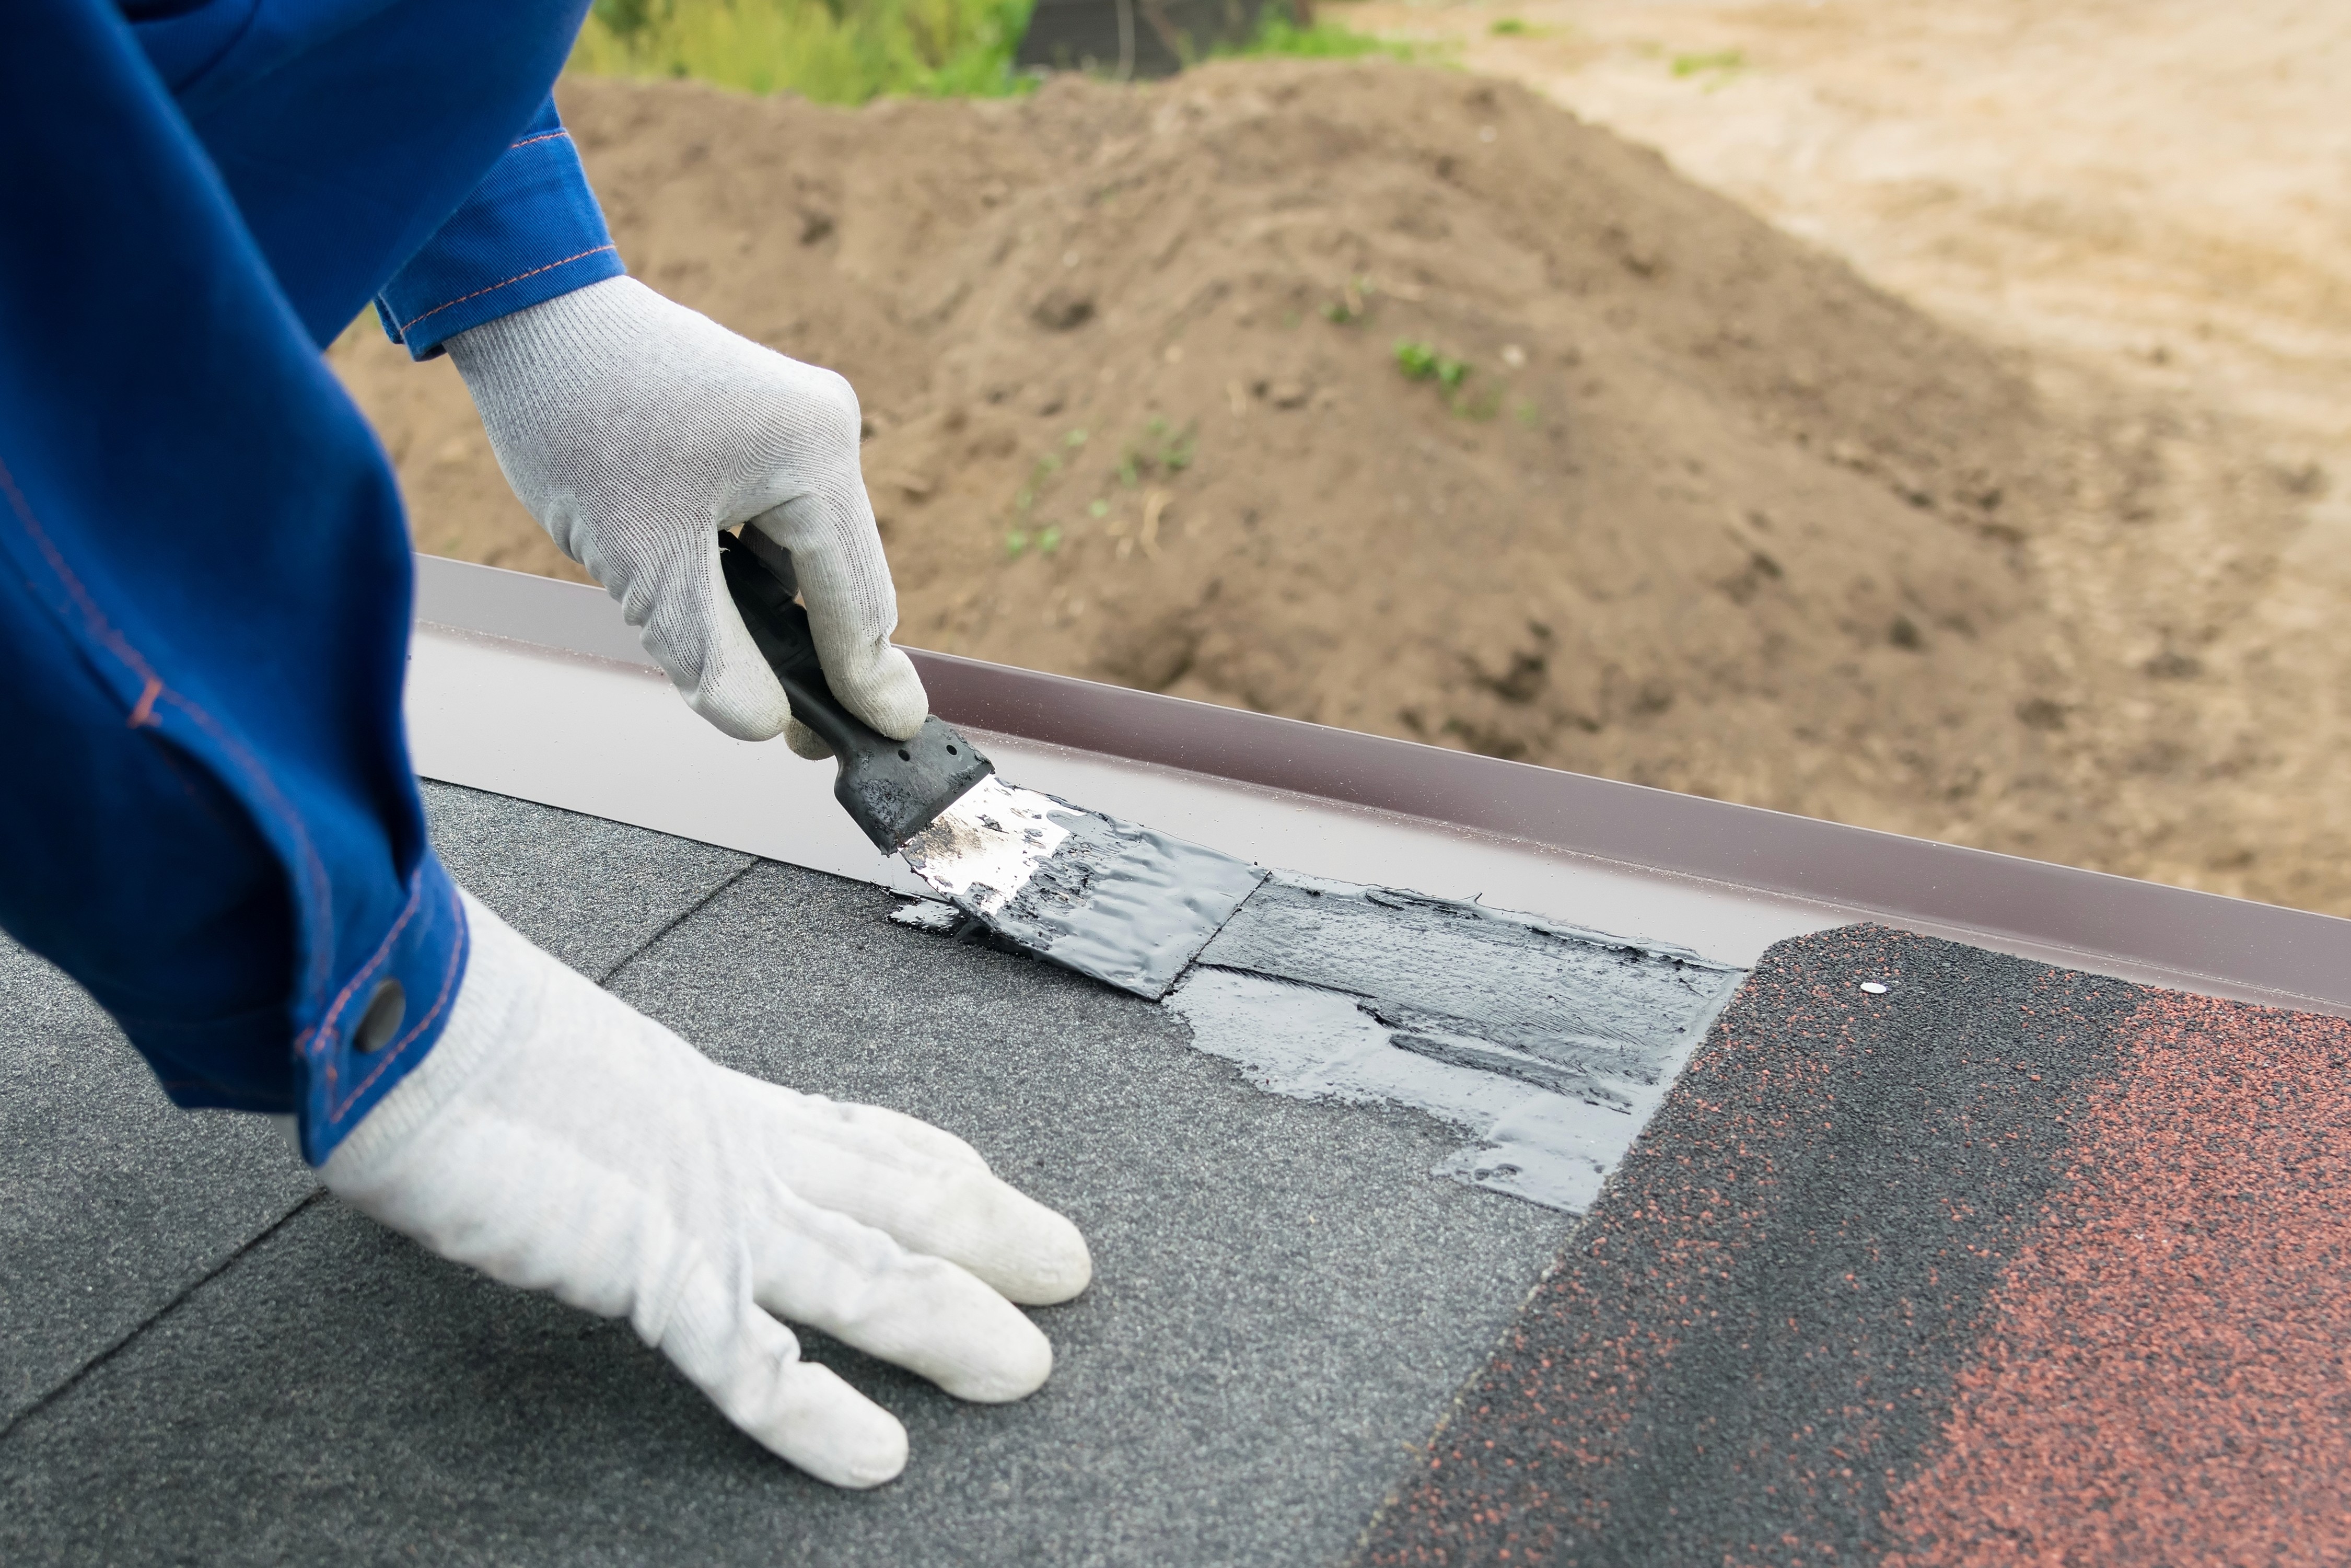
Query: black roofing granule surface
x,y
1755,1336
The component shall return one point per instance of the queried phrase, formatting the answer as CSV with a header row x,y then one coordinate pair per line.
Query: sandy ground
x,y
2143,194
2164,186
1709,512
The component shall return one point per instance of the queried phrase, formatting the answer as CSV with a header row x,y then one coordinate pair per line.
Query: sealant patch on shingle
x,y
1601,1006
1549,1046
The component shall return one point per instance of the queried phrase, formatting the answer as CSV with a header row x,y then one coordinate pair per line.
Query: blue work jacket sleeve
x,y
530,231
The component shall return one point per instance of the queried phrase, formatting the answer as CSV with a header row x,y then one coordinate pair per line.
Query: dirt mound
x,y
1673,498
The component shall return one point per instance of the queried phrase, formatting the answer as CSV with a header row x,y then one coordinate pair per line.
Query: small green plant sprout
x,y
1075,439
1527,414
1422,362
1024,500
1519,28
1049,540
1176,450
1098,509
1047,466
1164,449
1015,541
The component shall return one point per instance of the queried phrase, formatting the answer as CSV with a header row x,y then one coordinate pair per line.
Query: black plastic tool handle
x,y
892,789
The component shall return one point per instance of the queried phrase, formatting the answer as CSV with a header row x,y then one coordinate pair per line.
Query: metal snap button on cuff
x,y
380,1022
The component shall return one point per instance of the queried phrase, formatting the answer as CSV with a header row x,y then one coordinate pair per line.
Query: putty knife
x,y
1126,904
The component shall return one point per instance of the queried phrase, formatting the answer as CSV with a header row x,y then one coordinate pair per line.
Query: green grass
x,y
833,51
851,51
1279,37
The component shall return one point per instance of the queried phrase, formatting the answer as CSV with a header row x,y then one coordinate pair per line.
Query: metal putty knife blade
x,y
1126,904
1130,906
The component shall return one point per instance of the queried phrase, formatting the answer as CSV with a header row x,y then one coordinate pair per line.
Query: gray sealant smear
x,y
1593,1010
1549,1046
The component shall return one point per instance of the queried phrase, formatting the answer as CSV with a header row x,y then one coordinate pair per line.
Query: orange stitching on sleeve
x,y
394,1052
144,714
105,633
494,287
328,1029
314,870
318,1039
96,625
543,136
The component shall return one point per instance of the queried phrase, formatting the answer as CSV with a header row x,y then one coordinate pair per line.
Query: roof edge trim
x,y
2289,952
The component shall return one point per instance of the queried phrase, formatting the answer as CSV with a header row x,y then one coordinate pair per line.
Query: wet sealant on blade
x,y
1126,904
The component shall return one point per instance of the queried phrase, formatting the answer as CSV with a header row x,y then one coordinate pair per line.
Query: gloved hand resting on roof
x,y
558,1140
635,430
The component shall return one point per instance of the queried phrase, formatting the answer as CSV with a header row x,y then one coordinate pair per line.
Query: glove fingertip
x,y
1020,1361
805,742
1050,1264
736,691
732,721
890,697
835,1433
712,660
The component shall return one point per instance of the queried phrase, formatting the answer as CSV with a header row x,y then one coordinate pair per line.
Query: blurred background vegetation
x,y
834,51
850,51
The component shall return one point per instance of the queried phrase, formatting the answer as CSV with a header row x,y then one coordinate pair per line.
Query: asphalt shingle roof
x,y
1284,1302
1987,1257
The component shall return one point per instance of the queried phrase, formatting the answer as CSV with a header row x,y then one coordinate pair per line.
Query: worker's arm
x,y
530,230
635,430
213,824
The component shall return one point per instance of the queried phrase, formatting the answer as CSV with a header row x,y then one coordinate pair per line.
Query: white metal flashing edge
x,y
538,690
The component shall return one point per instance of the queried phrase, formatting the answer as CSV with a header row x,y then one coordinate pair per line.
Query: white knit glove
x,y
558,1140
635,430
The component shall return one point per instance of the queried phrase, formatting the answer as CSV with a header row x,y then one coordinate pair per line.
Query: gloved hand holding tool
x,y
654,1185
557,1139
635,430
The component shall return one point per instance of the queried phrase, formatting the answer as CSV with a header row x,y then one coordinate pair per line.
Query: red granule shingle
x,y
2163,1375
2002,1263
